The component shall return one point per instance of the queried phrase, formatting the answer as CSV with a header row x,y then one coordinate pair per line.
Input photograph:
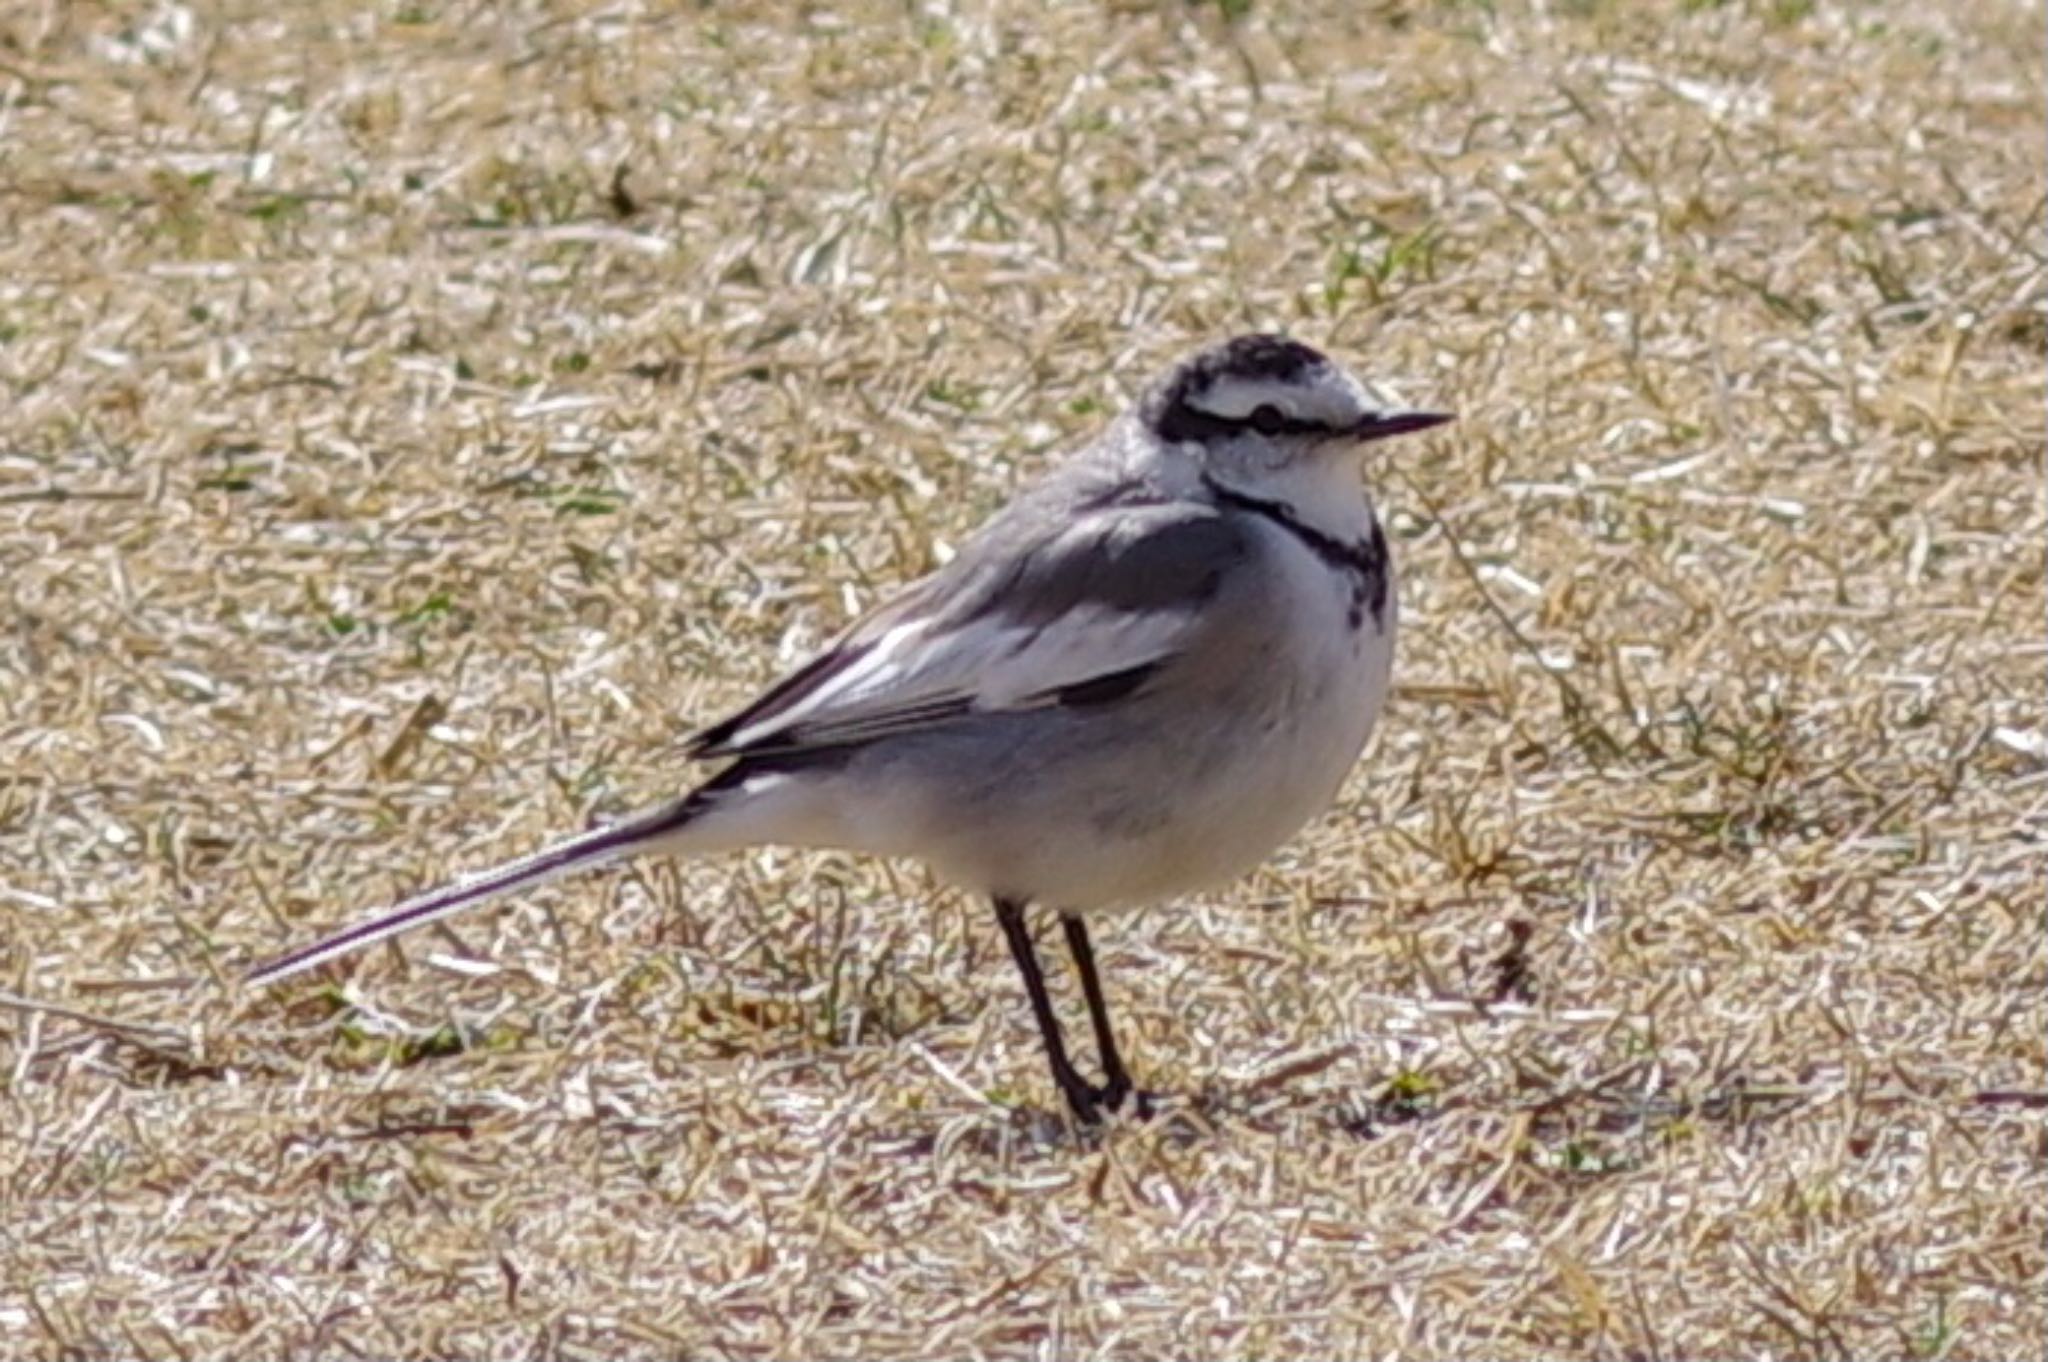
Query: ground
x,y
419,417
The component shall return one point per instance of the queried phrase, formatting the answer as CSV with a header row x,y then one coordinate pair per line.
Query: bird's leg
x,y
1117,1079
1080,1094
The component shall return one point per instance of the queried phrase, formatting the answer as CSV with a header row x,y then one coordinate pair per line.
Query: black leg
x,y
1079,1094
1117,1079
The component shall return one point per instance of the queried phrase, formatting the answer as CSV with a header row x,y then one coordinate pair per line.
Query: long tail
x,y
578,853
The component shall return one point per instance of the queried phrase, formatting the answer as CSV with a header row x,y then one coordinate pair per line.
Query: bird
x,y
1134,682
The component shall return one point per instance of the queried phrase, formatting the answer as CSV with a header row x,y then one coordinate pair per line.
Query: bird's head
x,y
1268,401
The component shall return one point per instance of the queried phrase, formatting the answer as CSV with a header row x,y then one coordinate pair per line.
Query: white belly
x,y
1269,767
1290,762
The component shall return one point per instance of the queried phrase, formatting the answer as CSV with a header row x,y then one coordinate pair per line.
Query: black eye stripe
x,y
1183,421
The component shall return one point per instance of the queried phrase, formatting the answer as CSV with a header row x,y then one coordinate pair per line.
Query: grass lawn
x,y
416,418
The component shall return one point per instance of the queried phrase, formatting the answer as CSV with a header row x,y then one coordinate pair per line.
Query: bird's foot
x,y
1089,1102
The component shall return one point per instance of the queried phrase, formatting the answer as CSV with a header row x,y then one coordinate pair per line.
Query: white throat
x,y
1323,491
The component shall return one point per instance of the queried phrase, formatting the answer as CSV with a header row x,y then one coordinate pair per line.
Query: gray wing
x,y
1034,612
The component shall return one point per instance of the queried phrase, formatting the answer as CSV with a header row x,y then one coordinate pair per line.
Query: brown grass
x,y
418,417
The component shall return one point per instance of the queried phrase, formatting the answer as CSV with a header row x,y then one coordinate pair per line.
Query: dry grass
x,y
385,484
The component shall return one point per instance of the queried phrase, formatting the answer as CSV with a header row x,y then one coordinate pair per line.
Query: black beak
x,y
1381,425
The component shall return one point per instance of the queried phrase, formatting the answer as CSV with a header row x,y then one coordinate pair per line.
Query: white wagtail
x,y
1136,681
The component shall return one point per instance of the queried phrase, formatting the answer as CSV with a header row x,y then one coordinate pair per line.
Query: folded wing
x,y
1032,615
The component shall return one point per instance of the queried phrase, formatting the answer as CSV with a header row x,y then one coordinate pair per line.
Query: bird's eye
x,y
1267,419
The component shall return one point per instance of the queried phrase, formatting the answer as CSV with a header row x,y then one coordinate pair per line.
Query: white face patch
x,y
1321,395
